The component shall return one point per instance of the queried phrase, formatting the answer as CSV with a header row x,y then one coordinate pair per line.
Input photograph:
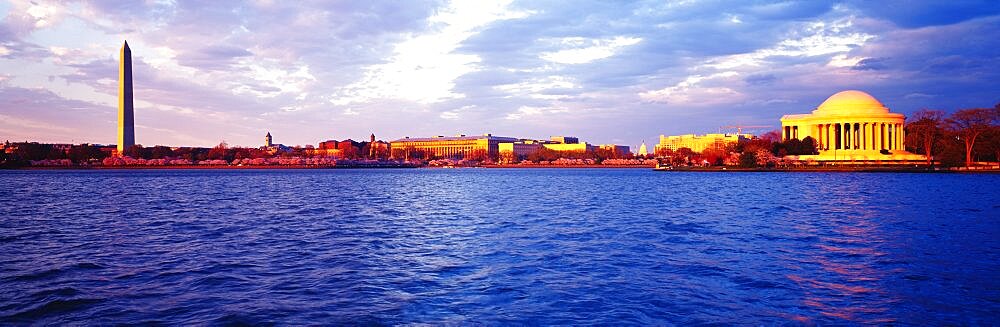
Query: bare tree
x,y
924,130
219,151
968,124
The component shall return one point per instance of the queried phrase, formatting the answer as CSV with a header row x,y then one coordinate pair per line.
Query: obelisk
x,y
126,123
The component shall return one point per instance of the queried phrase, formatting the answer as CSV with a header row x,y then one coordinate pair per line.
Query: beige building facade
x,y
619,149
698,143
522,148
519,149
569,147
851,125
450,147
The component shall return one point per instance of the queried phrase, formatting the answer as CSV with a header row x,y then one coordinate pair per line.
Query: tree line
x,y
962,138
24,153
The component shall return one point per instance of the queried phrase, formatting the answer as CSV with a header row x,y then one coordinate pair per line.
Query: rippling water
x,y
529,246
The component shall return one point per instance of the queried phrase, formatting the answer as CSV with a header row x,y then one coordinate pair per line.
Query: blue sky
x,y
605,71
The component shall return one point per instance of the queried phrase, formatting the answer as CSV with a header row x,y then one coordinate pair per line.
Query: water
x,y
471,246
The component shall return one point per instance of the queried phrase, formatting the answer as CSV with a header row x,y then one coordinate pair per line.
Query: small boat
x,y
662,167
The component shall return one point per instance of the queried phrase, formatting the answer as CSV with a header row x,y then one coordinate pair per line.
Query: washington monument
x,y
126,123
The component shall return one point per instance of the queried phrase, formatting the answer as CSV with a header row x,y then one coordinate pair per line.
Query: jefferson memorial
x,y
851,126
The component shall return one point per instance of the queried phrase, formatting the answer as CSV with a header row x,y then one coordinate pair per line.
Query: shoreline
x,y
960,170
814,170
197,167
911,170
567,166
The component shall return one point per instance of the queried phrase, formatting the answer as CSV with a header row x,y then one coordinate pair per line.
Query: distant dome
x,y
851,102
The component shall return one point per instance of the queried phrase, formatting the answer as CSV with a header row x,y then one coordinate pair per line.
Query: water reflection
x,y
839,273
606,247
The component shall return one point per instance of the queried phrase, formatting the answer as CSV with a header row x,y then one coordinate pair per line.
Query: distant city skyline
x,y
604,72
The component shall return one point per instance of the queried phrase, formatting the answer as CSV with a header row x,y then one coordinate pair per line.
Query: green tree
x,y
134,151
507,157
242,153
991,143
160,152
756,144
82,153
807,146
748,159
682,156
715,155
55,154
794,147
543,154
663,152
32,151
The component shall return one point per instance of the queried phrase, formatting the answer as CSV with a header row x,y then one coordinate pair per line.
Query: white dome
x,y
851,102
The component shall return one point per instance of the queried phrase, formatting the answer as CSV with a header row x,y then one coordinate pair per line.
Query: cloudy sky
x,y
605,71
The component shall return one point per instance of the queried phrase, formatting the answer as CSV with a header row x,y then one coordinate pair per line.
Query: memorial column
x,y
902,137
892,136
864,136
841,136
881,136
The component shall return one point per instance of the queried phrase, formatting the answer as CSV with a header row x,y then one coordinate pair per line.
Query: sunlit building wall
x,y
620,149
569,147
520,149
326,152
698,143
352,149
378,149
452,147
565,139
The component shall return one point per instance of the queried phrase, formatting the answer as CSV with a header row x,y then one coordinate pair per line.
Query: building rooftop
x,y
457,138
709,135
851,102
